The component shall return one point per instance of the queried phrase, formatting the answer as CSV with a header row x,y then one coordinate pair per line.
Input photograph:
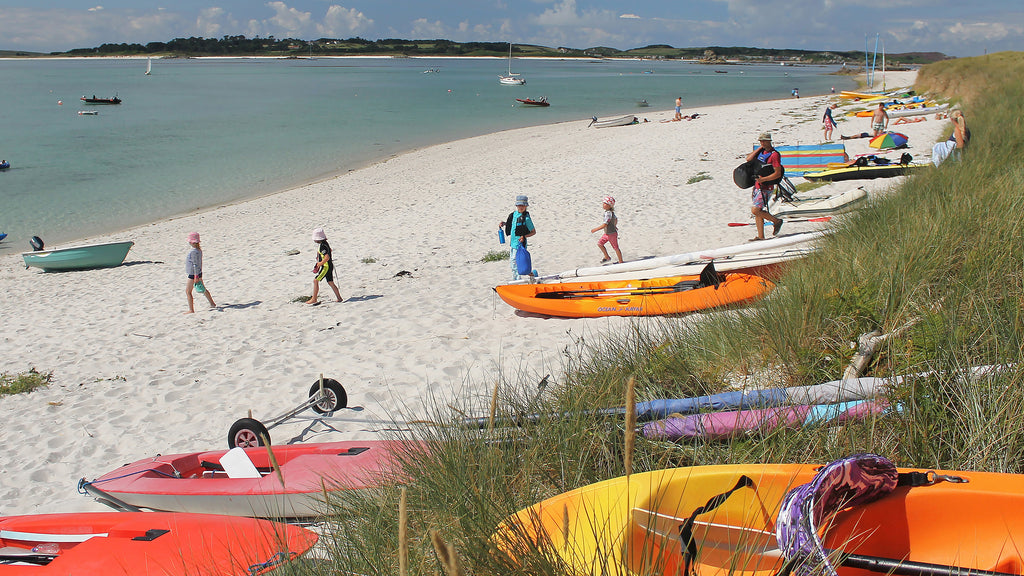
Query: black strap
x,y
686,528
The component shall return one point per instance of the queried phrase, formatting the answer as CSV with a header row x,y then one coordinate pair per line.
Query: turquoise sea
x,y
203,132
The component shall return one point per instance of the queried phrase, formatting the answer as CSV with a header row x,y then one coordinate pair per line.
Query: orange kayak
x,y
155,543
641,297
631,525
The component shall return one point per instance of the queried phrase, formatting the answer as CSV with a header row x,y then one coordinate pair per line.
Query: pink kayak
x,y
724,425
216,482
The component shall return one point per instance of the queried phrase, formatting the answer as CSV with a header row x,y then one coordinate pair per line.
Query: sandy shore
x,y
133,376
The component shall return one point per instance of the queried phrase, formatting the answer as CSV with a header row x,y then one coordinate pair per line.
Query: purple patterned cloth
x,y
853,481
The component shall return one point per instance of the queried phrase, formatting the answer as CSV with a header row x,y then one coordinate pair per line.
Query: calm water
x,y
198,133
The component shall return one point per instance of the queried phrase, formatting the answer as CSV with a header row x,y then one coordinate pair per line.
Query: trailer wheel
x,y
247,433
334,396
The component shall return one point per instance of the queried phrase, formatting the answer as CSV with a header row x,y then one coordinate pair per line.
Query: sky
x,y
954,27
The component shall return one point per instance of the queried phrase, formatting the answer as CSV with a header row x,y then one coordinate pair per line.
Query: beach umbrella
x,y
888,141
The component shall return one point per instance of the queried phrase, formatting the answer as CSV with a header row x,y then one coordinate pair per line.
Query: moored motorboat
x,y
291,484
95,100
158,544
532,102
107,255
4,164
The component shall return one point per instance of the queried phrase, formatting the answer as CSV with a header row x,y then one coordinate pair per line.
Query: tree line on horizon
x,y
271,46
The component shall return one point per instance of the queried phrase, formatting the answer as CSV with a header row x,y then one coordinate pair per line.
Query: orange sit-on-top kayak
x,y
640,297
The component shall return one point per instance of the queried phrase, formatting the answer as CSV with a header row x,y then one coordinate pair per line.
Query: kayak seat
x,y
237,464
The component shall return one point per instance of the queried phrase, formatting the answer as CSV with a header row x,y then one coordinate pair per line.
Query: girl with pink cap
x,y
194,270
611,230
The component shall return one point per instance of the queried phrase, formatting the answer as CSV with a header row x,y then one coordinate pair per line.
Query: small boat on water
x,y
543,101
88,112
4,164
512,78
622,121
247,481
160,544
2,236
106,255
95,100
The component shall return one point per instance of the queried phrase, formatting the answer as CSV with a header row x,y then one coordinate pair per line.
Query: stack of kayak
x,y
855,516
811,206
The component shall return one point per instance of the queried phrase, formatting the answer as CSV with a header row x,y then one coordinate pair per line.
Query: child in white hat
x,y
324,268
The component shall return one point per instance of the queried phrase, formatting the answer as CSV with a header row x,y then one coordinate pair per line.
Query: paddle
x,y
819,219
616,292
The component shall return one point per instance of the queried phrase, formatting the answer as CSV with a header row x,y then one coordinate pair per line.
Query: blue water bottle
x,y
501,235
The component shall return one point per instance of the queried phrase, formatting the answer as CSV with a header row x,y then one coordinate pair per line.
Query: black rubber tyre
x,y
247,432
335,396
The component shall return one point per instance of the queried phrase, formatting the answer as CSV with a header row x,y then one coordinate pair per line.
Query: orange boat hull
x,y
160,544
642,297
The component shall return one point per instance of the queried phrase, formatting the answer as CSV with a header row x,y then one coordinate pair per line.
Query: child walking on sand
x,y
324,268
611,230
194,269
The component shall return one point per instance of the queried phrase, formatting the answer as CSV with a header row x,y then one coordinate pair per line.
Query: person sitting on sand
x,y
194,270
957,141
611,230
324,267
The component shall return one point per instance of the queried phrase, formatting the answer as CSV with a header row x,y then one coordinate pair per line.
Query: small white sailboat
x,y
149,66
511,79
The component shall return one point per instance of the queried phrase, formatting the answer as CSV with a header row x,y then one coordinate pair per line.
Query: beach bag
x,y
524,264
744,174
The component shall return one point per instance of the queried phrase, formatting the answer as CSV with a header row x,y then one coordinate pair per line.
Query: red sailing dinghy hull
x,y
157,544
196,482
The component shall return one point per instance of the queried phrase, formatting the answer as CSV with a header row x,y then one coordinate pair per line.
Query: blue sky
x,y
955,27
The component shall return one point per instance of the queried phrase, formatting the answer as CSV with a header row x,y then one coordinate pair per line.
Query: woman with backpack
x,y
769,175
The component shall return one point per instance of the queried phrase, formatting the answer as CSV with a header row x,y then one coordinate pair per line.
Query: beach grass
x,y
24,382
495,256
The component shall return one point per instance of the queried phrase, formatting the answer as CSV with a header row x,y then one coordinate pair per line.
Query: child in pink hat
x,y
611,230
194,270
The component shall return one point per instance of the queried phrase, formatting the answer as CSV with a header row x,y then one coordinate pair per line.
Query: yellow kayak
x,y
631,525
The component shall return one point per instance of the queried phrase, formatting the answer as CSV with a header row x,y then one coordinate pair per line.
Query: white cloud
x,y
340,21
96,9
208,23
288,21
423,28
629,16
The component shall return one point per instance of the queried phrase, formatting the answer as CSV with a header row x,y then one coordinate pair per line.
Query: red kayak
x,y
532,102
158,544
210,483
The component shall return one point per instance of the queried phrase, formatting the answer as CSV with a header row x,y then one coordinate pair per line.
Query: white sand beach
x,y
133,376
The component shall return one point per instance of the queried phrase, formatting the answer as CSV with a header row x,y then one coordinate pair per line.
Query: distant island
x,y
295,48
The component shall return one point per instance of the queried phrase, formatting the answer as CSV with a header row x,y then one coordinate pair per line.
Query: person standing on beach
x,y
679,108
518,227
324,267
194,270
769,157
879,120
611,230
829,122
